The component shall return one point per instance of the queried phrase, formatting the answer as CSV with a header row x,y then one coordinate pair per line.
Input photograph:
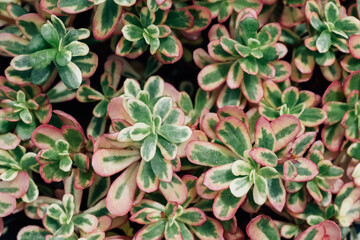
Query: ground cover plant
x,y
179,119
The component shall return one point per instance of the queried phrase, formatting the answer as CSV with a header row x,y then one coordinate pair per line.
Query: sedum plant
x,y
342,111
301,104
173,220
55,47
242,60
60,149
241,166
151,136
23,108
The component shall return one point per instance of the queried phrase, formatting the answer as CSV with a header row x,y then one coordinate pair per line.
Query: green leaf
x,y
50,35
323,43
262,227
219,178
70,75
32,232
106,18
226,205
263,156
132,33
213,75
264,135
234,134
120,197
161,167
179,19
331,12
211,229
163,107
175,134
138,111
209,154
148,147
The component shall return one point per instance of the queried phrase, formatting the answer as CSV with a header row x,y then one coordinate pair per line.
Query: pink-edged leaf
x,y
7,204
202,18
263,156
331,229
354,46
333,136
234,134
121,194
332,72
226,204
9,141
31,19
264,134
106,18
235,76
146,179
209,154
13,45
211,229
45,136
302,143
304,60
352,82
233,111
35,232
251,88
16,187
153,231
285,128
219,178
213,75
314,191
296,202
262,227
282,70
208,124
107,162
190,182
174,191
192,216
314,232
202,58
86,222
202,190
276,193
306,169
334,92
289,170
172,231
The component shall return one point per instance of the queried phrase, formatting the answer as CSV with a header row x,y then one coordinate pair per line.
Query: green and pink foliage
x,y
330,30
49,46
341,103
23,108
109,82
290,100
147,133
222,10
175,221
145,27
17,167
63,219
236,63
308,172
60,150
244,164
